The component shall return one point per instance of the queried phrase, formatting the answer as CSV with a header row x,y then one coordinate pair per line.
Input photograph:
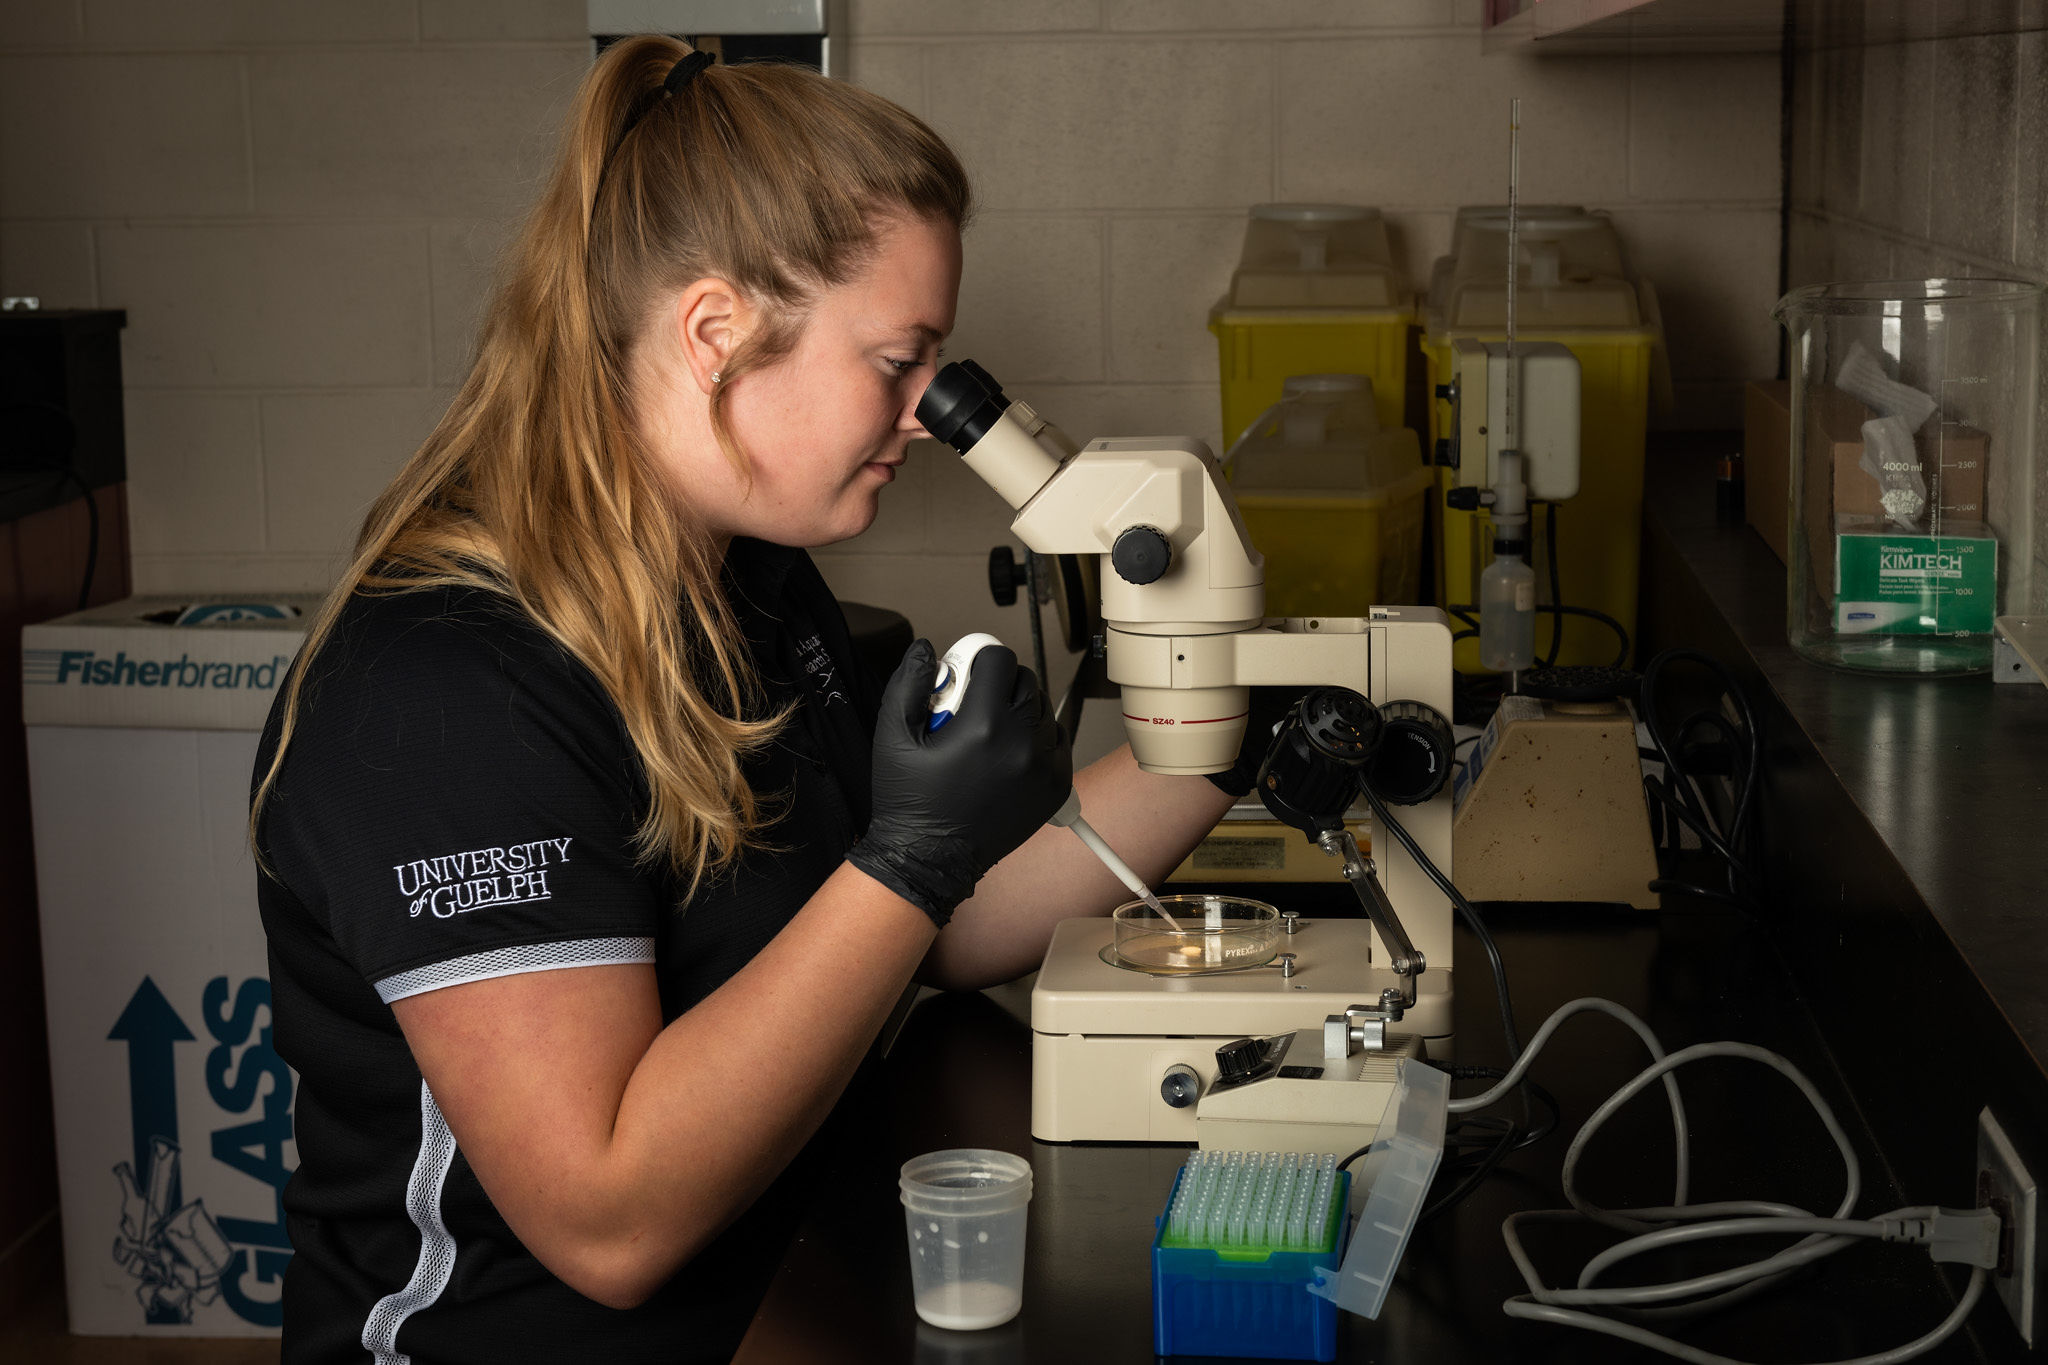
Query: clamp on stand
x,y
1406,961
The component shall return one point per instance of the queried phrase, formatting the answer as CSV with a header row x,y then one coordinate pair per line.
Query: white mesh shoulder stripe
x,y
537,957
437,1245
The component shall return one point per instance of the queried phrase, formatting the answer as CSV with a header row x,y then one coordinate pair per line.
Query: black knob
x,y
1447,391
1005,576
1463,499
1237,1061
1414,757
1141,554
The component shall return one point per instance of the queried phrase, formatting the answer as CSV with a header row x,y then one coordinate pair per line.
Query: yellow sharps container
x,y
1572,287
1332,500
1316,291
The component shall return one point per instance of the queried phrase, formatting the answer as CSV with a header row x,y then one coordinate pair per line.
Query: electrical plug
x,y
1957,1236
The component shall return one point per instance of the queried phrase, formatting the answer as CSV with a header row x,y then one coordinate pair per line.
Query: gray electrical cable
x,y
1642,1030
1633,1220
1680,1223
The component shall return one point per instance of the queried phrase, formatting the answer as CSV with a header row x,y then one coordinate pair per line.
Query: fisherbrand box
x,y
174,1114
162,662
1897,583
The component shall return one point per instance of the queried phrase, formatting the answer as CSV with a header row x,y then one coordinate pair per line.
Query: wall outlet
x,y
2005,1185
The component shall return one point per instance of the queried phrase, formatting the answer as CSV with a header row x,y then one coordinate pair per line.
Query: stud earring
x,y
715,376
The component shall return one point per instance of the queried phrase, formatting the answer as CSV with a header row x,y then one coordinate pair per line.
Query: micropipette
x,y
950,684
1069,815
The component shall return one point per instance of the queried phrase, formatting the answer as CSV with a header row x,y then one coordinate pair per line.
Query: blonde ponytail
x,y
534,484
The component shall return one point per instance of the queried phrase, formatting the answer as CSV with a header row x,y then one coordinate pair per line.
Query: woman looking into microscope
x,y
577,811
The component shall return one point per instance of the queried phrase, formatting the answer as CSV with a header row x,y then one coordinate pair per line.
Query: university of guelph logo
x,y
457,883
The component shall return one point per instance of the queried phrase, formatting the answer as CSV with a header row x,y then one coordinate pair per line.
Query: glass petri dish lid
x,y
1217,934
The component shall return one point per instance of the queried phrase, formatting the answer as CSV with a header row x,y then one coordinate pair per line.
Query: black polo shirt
x,y
459,802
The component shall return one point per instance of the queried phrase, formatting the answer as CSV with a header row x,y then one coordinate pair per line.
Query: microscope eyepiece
x,y
962,404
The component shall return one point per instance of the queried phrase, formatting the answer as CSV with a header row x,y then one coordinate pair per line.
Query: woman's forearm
x,y
1151,821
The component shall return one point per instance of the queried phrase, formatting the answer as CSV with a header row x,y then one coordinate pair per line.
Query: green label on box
x,y
1914,585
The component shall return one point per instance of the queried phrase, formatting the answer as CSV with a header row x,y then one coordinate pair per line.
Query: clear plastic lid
x,y
1322,438
1571,272
1403,1160
1316,256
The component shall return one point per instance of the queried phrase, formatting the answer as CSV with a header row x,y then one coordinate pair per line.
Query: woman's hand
x,y
950,803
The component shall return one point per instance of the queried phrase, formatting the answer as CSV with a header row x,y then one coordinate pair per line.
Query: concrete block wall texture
x,y
1918,153
299,205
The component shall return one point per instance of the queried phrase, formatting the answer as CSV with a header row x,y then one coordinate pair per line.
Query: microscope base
x,y
1104,1038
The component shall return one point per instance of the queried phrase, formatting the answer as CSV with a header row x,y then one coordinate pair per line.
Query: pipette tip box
x,y
1213,1296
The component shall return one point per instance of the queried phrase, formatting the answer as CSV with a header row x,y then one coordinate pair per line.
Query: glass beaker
x,y
1911,499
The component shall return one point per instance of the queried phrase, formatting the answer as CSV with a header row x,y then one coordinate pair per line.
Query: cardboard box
x,y
1767,461
1890,582
1952,460
174,1115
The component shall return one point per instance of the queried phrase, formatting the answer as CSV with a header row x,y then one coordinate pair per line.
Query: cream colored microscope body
x,y
1185,638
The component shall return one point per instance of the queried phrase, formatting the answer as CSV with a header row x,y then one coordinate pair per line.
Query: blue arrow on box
x,y
151,1028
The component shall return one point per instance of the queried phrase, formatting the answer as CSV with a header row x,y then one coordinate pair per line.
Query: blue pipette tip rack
x,y
1233,1259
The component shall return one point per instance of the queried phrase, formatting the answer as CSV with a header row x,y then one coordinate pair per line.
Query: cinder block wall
x,y
298,204
1920,151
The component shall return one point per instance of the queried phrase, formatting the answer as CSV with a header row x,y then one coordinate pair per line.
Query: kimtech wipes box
x,y
1894,582
174,1116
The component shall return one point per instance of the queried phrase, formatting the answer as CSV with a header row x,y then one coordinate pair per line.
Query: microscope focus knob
x,y
1141,554
1237,1061
1414,757
1006,575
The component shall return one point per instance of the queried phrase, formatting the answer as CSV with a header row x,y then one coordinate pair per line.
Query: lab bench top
x,y
959,1075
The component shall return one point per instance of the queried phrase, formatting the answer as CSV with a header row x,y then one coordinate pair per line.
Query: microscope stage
x,y
1105,1038
1079,992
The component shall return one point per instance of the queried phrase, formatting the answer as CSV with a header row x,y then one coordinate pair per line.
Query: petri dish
x,y
1217,934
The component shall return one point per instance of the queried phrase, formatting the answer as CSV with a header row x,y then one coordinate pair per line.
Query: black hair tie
x,y
685,71
681,74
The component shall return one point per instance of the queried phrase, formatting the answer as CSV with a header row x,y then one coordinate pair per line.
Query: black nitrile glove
x,y
950,803
1269,707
